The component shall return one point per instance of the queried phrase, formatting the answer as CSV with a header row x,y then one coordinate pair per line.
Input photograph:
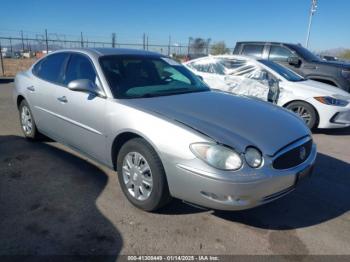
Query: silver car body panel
x,y
90,124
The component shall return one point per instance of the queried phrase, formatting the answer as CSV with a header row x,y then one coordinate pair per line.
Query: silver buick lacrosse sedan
x,y
161,128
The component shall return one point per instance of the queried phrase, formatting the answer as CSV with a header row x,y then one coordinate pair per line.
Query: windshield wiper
x,y
165,93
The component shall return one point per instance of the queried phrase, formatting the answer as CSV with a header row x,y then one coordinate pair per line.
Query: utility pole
x,y
81,39
312,11
47,42
22,40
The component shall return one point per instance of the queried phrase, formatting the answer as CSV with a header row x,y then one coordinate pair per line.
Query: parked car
x,y
300,60
329,58
163,130
320,105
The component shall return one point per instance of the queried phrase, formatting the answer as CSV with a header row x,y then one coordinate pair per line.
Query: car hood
x,y
229,119
315,88
337,64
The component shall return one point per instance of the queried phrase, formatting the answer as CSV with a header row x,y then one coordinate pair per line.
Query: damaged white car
x,y
320,105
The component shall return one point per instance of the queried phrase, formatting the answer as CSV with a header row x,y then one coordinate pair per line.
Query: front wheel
x,y
305,111
141,175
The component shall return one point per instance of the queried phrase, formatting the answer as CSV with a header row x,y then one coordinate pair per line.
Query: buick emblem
x,y
302,153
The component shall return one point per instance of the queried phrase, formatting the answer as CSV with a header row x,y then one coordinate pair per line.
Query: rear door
x,y
254,50
41,94
82,115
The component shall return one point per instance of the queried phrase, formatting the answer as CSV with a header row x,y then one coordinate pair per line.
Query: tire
x,y
305,111
141,175
27,121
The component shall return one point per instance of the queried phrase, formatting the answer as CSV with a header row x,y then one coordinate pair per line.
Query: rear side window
x,y
253,50
79,67
51,67
211,68
279,53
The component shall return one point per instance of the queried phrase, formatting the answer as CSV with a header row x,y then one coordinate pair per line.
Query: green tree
x,y
219,48
346,54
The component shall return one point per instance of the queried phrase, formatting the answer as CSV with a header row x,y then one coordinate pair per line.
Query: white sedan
x,y
319,104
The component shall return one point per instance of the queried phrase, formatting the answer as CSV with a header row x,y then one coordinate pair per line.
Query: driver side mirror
x,y
200,77
294,61
86,86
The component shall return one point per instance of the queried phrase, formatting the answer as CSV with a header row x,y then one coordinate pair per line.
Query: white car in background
x,y
318,104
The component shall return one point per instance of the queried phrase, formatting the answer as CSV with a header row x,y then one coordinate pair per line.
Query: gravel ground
x,y
55,201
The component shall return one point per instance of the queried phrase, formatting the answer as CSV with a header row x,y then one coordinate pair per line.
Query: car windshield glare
x,y
282,71
139,76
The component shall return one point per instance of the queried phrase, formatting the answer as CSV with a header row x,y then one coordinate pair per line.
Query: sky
x,y
220,20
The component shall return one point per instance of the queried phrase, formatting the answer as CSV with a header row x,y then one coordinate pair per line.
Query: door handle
x,y
31,88
62,99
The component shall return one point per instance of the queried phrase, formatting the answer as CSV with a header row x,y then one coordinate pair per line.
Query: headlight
x,y
345,73
253,157
331,101
220,157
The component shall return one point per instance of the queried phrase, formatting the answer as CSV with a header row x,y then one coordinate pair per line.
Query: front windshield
x,y
305,53
138,76
282,71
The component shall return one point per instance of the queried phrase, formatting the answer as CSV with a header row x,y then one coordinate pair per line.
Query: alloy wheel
x,y
303,113
26,120
137,176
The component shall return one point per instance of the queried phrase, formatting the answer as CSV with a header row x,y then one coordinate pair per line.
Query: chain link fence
x,y
19,53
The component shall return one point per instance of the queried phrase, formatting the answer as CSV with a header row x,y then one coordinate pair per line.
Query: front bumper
x,y
332,116
240,190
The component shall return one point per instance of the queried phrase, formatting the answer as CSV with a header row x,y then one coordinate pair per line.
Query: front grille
x,y
293,157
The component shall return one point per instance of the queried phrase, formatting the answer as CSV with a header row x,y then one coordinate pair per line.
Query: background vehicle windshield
x,y
283,71
305,53
135,76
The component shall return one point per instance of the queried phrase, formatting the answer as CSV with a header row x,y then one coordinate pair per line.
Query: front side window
x,y
283,71
51,67
279,53
253,50
79,67
137,76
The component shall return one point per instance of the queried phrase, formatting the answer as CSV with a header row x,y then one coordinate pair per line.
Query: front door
x,y
82,114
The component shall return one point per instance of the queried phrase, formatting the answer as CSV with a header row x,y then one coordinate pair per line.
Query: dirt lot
x,y
54,201
12,66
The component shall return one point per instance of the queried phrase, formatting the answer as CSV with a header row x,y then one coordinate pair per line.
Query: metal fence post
x,y
113,40
22,40
81,39
144,41
11,45
189,46
47,42
2,62
169,45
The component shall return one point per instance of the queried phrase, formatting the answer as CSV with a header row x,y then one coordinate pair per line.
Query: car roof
x,y
213,57
265,42
98,52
